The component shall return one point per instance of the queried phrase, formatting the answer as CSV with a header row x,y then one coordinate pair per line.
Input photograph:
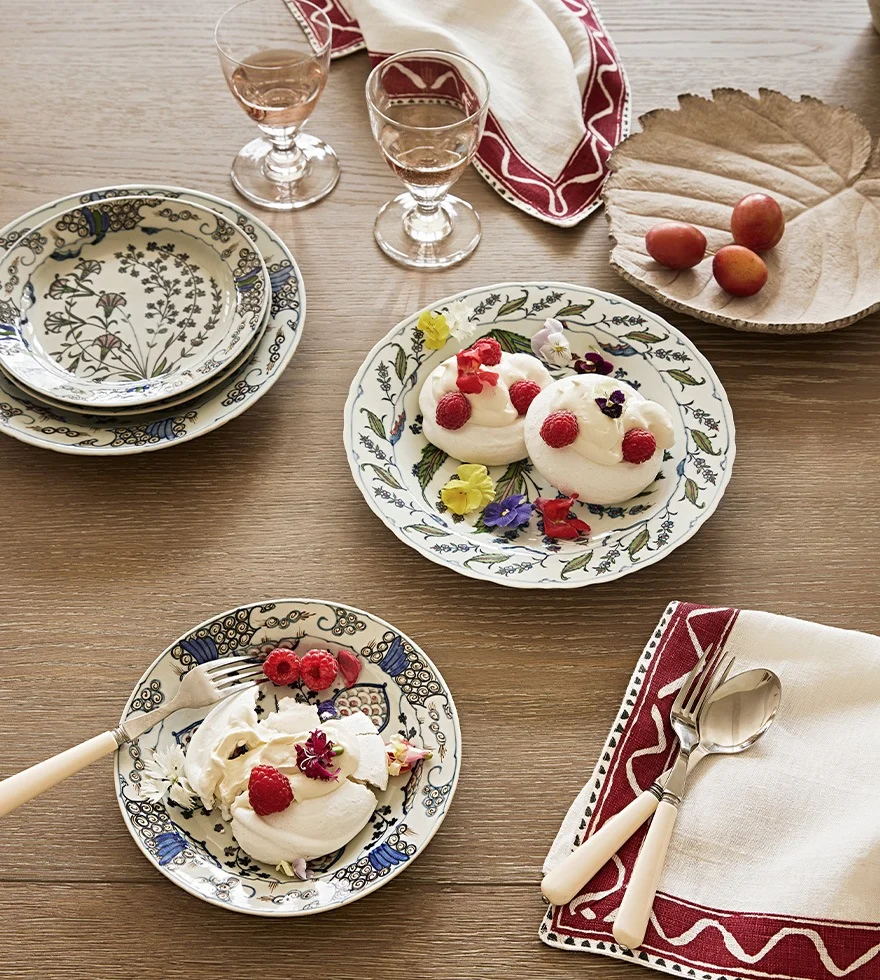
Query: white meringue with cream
x,y
493,435
324,815
593,466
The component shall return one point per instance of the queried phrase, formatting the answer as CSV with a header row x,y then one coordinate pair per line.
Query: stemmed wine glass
x,y
276,57
427,112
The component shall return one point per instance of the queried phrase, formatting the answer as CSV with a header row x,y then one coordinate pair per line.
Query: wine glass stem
x,y
286,162
427,221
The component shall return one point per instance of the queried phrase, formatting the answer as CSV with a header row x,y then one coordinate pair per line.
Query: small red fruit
x,y
676,245
522,394
282,666
560,429
488,350
349,666
319,669
638,445
739,270
269,790
757,222
453,410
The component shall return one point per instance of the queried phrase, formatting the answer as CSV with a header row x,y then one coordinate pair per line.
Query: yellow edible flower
x,y
473,489
435,328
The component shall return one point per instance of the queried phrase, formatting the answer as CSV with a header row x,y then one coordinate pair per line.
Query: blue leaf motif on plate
x,y
395,660
397,429
163,429
280,277
619,350
168,846
385,856
201,649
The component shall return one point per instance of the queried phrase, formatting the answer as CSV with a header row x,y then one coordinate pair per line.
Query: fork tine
x,y
714,682
242,687
227,684
231,665
687,688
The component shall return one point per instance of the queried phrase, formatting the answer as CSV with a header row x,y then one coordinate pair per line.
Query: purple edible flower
x,y
613,406
316,756
511,512
593,363
327,709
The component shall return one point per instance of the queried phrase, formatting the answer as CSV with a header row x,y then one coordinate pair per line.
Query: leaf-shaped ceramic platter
x,y
398,688
694,163
400,473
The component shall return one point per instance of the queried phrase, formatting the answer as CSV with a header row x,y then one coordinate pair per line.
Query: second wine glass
x,y
427,111
276,57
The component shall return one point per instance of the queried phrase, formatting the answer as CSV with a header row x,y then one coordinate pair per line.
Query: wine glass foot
x,y
457,233
251,179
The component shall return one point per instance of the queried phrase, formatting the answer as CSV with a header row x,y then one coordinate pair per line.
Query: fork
x,y
634,913
201,686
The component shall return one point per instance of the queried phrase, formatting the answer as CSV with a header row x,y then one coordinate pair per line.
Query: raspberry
x,y
282,666
453,410
638,446
319,670
269,790
522,394
488,350
560,429
349,666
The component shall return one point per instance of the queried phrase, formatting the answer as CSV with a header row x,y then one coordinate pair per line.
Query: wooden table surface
x,y
105,561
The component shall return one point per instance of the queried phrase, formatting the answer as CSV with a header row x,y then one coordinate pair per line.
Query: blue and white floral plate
x,y
128,301
399,688
400,473
26,418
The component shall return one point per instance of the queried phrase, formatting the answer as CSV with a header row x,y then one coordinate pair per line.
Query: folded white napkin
x,y
558,100
774,867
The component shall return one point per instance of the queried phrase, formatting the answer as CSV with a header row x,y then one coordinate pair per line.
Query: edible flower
x,y
593,363
315,757
403,755
297,870
551,344
512,512
471,373
435,328
326,710
163,773
613,405
557,520
458,319
473,489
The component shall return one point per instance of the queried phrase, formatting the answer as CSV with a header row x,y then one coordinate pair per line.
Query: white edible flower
x,y
163,773
551,344
458,319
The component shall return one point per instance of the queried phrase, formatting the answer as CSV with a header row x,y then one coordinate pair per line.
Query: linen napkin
x,y
774,866
558,102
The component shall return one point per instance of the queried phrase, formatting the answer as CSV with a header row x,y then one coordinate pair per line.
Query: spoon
x,y
738,714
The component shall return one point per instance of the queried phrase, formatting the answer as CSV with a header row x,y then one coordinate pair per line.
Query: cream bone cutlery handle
x,y
25,785
634,913
560,885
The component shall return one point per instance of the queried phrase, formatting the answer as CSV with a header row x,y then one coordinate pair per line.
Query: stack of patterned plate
x,y
136,317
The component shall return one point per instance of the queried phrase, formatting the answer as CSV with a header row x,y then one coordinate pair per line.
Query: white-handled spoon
x,y
738,714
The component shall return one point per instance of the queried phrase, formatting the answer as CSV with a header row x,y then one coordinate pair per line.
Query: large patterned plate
x,y
398,687
400,474
26,418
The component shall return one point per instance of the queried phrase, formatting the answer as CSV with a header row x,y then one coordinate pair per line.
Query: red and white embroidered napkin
x,y
559,101
774,867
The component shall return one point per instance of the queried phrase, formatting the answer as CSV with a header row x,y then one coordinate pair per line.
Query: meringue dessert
x,y
597,438
474,404
238,763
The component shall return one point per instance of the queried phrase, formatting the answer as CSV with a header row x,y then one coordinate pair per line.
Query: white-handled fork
x,y
201,686
634,913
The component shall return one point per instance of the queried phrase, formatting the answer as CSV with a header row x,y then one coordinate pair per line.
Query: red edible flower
x,y
314,758
471,374
557,522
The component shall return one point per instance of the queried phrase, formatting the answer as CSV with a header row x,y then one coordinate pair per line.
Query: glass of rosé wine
x,y
427,112
276,57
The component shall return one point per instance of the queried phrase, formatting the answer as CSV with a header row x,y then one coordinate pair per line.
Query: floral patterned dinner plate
x,y
398,688
28,419
401,474
128,301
